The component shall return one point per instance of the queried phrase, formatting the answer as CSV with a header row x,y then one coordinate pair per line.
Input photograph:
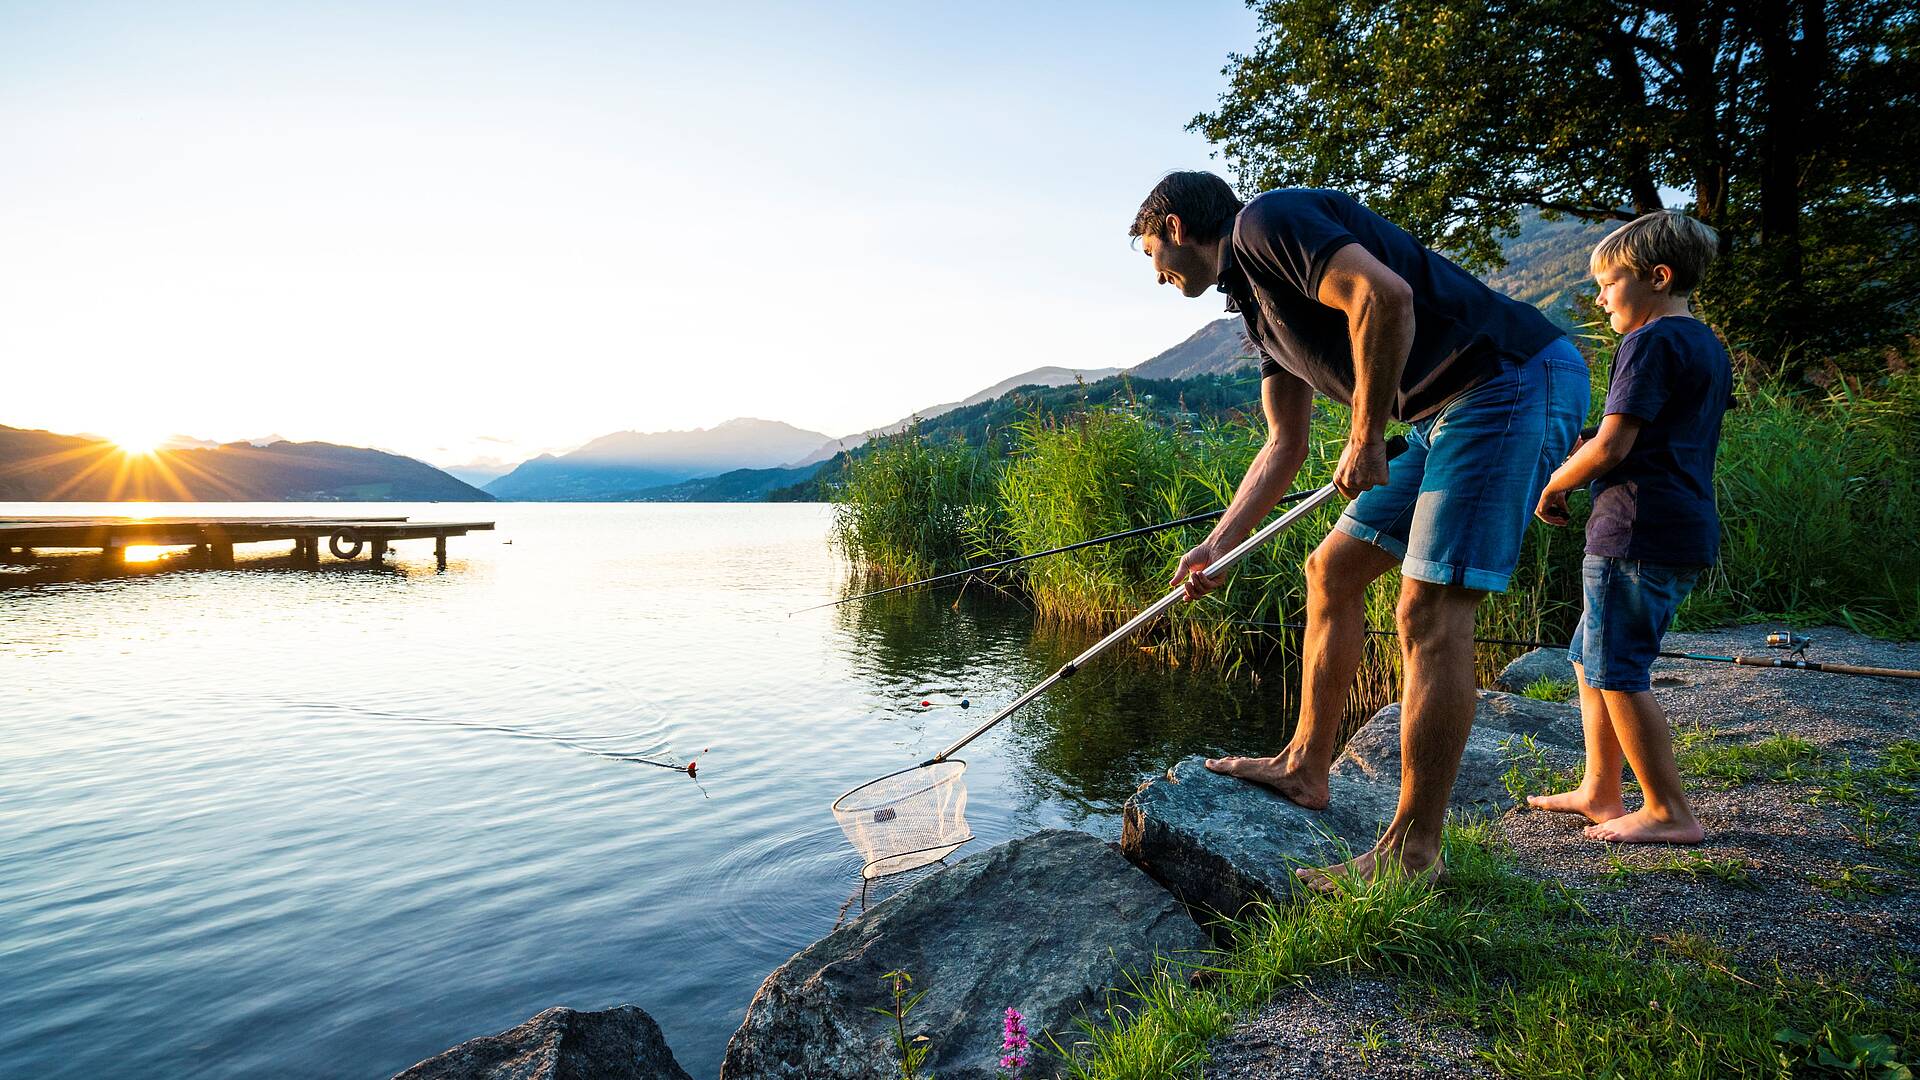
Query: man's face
x,y
1187,267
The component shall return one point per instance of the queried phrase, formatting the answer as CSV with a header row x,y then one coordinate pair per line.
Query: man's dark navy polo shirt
x,y
1281,244
1657,504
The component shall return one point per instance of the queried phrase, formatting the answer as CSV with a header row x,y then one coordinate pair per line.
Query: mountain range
x,y
40,466
618,467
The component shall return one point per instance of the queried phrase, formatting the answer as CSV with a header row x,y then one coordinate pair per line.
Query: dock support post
x,y
113,558
379,552
310,552
440,552
223,556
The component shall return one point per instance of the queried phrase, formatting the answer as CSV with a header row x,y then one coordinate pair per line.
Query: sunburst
x,y
139,443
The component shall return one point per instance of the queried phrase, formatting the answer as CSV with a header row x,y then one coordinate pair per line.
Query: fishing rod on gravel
x,y
1144,530
1785,639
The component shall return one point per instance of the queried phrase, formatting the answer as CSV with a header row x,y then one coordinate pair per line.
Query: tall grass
x,y
1820,511
1819,499
912,507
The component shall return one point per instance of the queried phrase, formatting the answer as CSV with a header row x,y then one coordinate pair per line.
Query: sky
x,y
469,231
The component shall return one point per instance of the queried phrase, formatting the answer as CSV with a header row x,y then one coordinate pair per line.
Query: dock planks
x,y
111,536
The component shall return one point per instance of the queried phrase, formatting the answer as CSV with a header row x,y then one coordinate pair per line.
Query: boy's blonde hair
x,y
1663,238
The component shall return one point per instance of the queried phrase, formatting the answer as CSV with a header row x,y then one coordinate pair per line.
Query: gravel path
x,y
1792,842
1789,847
1345,1027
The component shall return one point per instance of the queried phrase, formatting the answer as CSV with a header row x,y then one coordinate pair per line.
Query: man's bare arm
x,y
1288,402
1378,304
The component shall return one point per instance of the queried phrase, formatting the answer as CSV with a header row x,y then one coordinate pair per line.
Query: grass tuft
x,y
1545,689
1777,758
1683,863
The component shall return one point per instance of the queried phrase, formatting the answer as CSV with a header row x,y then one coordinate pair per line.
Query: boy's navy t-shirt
x,y
1281,244
1657,505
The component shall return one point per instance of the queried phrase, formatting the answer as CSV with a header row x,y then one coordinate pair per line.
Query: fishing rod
x,y
1795,661
1144,530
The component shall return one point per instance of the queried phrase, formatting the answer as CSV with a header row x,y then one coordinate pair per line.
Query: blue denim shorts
x,y
1456,504
1630,605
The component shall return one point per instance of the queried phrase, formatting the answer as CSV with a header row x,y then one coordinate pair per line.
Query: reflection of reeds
x,y
1820,500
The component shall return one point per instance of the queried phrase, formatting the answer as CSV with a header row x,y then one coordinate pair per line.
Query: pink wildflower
x,y
1014,1042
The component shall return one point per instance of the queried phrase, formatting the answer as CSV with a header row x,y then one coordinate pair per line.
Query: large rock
x,y
1529,668
1047,925
1373,754
560,1044
1221,843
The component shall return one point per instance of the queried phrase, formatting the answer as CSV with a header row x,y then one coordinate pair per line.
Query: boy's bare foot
x,y
1364,866
1641,827
1580,801
1295,781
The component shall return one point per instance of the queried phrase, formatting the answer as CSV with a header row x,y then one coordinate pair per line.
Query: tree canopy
x,y
1792,126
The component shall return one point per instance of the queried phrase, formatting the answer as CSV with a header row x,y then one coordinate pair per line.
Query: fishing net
x,y
907,819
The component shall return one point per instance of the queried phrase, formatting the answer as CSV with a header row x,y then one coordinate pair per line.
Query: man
x,y
1340,301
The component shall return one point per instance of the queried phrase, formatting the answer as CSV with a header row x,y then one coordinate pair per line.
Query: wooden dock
x,y
346,538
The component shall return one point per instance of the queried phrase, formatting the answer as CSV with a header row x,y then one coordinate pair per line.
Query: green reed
x,y
1820,502
1820,511
911,507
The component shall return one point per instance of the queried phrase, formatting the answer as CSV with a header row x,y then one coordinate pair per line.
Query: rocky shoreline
x,y
1803,877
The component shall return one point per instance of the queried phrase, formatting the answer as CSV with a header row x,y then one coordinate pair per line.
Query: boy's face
x,y
1185,266
1630,300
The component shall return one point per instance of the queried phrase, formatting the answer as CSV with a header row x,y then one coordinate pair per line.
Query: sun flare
x,y
139,443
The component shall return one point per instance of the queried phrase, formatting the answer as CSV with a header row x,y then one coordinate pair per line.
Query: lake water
x,y
272,821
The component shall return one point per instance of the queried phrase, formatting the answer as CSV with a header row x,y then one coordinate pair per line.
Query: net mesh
x,y
907,819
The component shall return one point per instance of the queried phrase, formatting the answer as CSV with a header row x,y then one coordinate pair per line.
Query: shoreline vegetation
x,y
1819,499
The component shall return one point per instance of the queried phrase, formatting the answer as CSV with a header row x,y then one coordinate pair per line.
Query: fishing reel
x,y
1787,639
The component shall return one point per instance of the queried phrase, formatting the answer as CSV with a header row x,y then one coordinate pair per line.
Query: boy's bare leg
x,y
1338,573
1641,726
1598,796
1436,714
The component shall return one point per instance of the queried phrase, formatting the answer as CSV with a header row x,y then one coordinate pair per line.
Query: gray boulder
x,y
1047,924
1549,664
1221,843
1499,720
561,1044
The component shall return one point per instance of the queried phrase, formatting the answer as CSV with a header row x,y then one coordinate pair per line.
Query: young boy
x,y
1654,526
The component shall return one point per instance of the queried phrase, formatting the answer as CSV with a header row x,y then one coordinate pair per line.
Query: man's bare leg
x,y
1436,713
1641,725
1598,796
1338,573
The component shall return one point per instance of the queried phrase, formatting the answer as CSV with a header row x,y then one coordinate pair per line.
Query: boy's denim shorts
x,y
1457,502
1630,604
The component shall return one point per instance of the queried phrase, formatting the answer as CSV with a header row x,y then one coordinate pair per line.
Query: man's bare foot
x,y
1580,801
1366,865
1641,827
1296,781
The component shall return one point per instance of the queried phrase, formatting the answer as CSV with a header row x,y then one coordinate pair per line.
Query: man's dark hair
x,y
1205,204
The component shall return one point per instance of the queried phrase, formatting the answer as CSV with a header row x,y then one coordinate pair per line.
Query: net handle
x,y
1266,532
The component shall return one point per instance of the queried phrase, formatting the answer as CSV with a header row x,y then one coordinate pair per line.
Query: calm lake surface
x,y
272,821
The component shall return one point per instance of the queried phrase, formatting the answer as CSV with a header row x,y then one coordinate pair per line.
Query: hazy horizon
x,y
462,234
